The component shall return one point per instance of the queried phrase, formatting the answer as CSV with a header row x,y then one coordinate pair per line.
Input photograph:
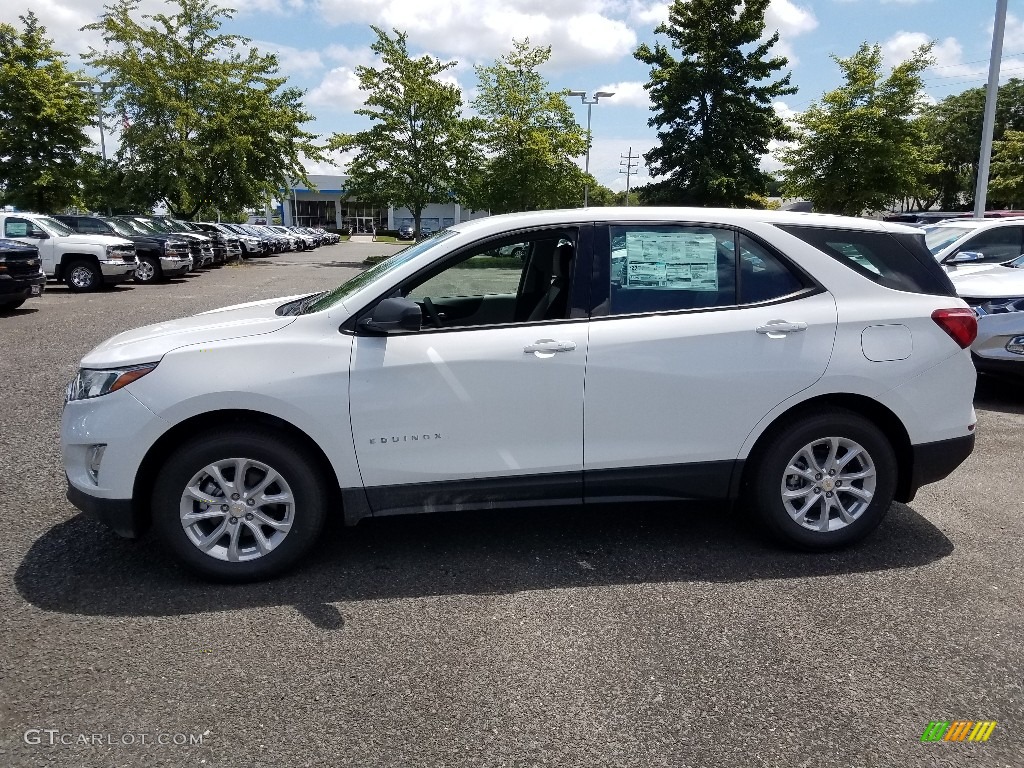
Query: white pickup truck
x,y
83,262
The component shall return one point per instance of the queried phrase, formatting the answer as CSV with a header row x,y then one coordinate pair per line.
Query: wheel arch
x,y
68,258
871,410
169,441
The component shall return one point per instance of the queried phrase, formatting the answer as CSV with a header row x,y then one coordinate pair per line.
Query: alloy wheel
x,y
828,484
237,509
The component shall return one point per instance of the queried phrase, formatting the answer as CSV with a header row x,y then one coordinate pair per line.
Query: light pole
x,y
590,105
988,126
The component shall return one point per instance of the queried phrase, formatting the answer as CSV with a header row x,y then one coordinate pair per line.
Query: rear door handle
x,y
776,329
549,346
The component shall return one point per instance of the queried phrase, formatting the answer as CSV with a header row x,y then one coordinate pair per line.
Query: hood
x,y
152,342
194,237
78,239
990,282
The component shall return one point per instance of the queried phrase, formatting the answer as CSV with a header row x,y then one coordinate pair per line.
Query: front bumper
x,y
989,351
121,515
117,271
21,288
175,266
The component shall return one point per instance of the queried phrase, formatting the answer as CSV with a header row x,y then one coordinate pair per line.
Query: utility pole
x,y
988,128
630,168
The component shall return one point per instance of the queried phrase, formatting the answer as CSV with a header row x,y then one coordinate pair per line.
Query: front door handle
x,y
777,329
547,347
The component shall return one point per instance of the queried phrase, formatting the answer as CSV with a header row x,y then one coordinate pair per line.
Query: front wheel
x,y
239,505
11,305
148,270
82,276
826,481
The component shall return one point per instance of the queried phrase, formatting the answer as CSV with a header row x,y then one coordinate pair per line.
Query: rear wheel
x,y
81,276
826,481
240,505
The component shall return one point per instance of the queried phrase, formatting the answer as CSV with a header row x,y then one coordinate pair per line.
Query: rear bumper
x,y
118,514
935,461
1002,366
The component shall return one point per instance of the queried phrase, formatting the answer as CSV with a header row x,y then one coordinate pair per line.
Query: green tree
x,y
43,117
953,134
713,106
531,137
206,125
860,148
419,148
1007,172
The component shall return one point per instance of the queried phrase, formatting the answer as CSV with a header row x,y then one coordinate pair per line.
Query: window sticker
x,y
676,260
16,229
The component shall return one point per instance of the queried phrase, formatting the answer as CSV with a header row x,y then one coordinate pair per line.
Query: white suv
x,y
814,367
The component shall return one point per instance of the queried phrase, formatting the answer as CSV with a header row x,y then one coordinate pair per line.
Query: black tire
x,y
289,459
11,305
518,252
154,274
82,276
769,473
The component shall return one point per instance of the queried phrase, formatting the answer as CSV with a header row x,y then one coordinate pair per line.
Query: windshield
x,y
54,227
184,226
360,281
152,225
1017,263
121,228
938,238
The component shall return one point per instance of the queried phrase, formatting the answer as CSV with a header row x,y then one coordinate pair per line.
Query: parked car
x,y
407,232
814,367
976,241
227,246
200,247
996,294
21,274
83,262
159,256
250,244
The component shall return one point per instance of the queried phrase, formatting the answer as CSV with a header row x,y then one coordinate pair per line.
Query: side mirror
x,y
966,257
393,316
38,234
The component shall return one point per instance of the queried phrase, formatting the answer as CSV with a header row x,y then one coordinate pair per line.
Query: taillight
x,y
961,324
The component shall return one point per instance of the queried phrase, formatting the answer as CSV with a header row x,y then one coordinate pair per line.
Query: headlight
x,y
91,382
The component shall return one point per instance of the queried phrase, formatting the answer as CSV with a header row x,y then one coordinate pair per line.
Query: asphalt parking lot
x,y
618,636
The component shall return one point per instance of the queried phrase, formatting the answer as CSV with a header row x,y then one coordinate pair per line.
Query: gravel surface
x,y
653,635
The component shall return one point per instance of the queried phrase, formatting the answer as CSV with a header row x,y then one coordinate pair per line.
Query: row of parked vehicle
x,y
89,252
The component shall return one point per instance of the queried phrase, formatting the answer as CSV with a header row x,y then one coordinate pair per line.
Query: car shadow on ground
x,y
81,567
997,393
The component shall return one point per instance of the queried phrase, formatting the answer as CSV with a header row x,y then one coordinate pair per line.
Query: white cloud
x,y
949,70
479,30
605,158
292,60
1013,35
648,14
789,18
629,93
339,90
783,110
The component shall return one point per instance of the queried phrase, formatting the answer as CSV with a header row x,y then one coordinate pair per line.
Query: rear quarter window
x,y
898,261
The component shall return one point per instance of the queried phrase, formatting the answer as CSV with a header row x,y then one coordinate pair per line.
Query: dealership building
x,y
326,206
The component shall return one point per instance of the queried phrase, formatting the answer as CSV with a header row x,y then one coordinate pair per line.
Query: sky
x,y
320,42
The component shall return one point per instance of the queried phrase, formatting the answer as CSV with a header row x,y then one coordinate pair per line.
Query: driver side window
x,y
522,278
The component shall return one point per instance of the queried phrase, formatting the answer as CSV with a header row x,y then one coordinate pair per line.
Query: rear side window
x,y
900,261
